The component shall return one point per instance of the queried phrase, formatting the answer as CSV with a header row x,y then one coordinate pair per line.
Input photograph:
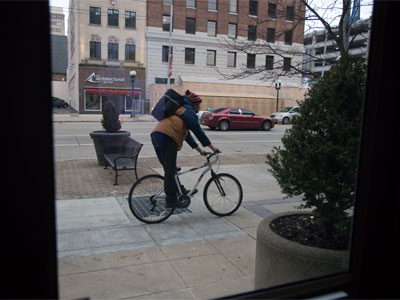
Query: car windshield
x,y
218,110
286,109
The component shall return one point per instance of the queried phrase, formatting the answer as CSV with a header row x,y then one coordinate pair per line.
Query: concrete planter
x,y
280,261
112,141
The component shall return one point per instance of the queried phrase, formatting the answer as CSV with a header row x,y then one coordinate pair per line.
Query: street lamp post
x,y
277,87
133,75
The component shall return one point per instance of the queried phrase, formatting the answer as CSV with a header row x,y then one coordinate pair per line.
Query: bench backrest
x,y
131,147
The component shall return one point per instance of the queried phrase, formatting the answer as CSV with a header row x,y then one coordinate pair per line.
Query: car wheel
x,y
285,121
65,105
266,125
224,125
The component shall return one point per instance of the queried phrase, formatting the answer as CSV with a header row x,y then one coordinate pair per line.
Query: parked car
x,y
57,102
286,114
239,118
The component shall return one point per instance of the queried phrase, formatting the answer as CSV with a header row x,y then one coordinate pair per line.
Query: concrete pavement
x,y
105,252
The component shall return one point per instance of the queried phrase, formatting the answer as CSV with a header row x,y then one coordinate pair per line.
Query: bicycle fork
x,y
218,183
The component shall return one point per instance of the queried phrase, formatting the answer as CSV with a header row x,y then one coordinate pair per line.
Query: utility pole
x,y
170,45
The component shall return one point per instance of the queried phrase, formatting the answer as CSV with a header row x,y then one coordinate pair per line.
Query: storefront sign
x,y
93,78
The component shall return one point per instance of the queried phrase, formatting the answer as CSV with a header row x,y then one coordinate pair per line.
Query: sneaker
x,y
185,191
173,202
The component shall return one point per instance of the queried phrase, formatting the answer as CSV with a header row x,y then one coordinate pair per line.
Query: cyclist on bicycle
x,y
167,139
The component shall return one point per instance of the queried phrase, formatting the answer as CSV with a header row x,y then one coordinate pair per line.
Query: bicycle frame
x,y
207,165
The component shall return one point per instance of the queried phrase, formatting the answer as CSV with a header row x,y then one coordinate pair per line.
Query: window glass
x,y
165,51
191,3
252,33
94,15
113,51
92,102
289,13
253,6
233,6
166,21
287,61
232,30
271,35
269,62
212,28
95,50
130,19
113,17
190,25
231,59
130,52
288,37
164,80
212,4
251,61
272,10
211,57
167,2
247,112
189,56
234,112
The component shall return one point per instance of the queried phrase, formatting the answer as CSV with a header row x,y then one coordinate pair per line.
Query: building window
x,y
166,21
190,25
232,30
252,34
287,61
233,6
211,57
231,59
189,56
164,80
112,51
93,102
113,17
130,19
269,62
130,52
251,61
167,2
165,51
212,4
289,13
191,3
95,50
288,37
212,28
271,35
95,15
272,10
253,7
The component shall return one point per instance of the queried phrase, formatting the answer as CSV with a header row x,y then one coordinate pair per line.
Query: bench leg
x,y
116,176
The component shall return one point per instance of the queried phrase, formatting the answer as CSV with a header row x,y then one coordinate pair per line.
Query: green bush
x,y
319,157
110,121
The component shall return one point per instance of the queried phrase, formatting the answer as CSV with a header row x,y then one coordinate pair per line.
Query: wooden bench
x,y
125,159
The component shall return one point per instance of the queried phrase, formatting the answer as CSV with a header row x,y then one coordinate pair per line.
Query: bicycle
x,y
222,194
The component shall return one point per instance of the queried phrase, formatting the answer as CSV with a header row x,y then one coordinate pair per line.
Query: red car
x,y
239,118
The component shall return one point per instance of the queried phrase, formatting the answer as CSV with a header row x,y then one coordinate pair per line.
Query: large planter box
x,y
105,142
280,261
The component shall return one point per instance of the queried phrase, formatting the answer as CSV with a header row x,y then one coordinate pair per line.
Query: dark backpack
x,y
167,105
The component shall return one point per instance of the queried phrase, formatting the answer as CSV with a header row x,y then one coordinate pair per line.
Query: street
x,y
72,140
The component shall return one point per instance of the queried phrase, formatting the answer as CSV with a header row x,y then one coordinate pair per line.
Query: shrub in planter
x,y
318,160
110,121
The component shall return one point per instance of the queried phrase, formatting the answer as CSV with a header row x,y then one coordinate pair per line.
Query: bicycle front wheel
x,y
147,199
223,194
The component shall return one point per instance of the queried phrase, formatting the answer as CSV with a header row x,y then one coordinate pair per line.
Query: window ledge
x,y
233,13
253,16
97,25
130,28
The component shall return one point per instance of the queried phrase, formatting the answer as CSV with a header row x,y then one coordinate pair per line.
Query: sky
x,y
366,8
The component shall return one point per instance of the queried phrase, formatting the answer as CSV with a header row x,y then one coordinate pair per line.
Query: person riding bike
x,y
167,139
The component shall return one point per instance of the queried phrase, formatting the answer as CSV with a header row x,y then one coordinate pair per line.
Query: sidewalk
x,y
75,117
104,252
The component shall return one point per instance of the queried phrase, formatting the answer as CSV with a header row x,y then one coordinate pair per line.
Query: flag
x,y
170,62
355,14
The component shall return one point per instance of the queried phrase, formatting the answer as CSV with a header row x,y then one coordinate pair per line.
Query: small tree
x,y
319,158
110,121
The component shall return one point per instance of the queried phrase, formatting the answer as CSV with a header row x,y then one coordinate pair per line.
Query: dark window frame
x,y
128,52
288,37
252,33
166,25
235,10
94,18
253,8
213,5
215,58
287,62
130,21
95,50
251,61
290,13
113,51
234,59
165,53
270,35
190,56
113,17
235,36
190,26
215,28
269,62
272,10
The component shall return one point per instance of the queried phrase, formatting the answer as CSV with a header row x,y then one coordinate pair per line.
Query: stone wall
x,y
260,99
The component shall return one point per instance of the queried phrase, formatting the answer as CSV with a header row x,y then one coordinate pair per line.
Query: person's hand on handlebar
x,y
201,151
214,149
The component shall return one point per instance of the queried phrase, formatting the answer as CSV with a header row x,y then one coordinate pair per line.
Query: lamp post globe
x,y
132,74
277,87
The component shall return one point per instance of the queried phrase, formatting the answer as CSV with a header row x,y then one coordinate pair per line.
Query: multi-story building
x,y
201,31
57,21
106,40
321,51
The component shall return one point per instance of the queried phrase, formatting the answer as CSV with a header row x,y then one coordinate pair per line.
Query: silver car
x,y
286,114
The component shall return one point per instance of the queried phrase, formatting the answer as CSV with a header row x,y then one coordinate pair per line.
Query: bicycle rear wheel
x,y
147,199
223,194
